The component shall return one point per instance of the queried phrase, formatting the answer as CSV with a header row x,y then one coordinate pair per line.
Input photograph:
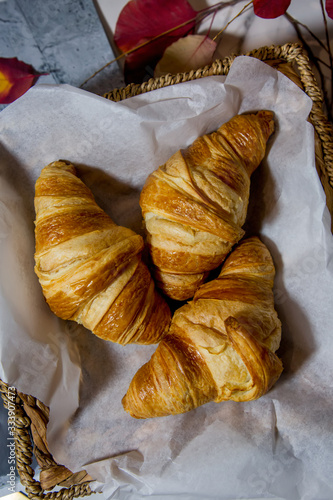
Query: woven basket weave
x,y
31,415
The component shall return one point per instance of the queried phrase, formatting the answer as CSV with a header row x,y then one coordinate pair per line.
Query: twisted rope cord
x,y
24,455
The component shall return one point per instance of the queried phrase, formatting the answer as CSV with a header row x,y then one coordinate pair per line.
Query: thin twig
x,y
237,15
134,49
296,22
218,6
201,15
314,36
328,46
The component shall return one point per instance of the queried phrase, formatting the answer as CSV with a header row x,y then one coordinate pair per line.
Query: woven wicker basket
x,y
31,415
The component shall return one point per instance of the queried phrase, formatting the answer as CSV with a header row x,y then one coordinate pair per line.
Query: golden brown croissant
x,y
194,205
90,269
220,346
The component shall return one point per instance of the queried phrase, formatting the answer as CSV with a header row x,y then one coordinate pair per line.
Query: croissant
x,y
194,206
220,346
90,269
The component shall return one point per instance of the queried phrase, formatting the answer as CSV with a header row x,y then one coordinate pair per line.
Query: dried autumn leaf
x,y
142,21
16,77
329,8
189,53
270,9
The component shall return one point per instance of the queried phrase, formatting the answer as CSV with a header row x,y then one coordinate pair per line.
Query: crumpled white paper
x,y
279,446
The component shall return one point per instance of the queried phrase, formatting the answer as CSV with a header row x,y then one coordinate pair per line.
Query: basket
x,y
31,415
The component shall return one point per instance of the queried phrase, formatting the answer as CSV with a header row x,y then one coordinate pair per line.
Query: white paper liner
x,y
278,446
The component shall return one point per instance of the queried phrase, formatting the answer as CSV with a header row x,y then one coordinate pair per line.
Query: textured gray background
x,y
66,40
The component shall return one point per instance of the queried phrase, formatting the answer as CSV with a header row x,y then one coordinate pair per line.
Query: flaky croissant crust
x,y
195,204
90,269
220,346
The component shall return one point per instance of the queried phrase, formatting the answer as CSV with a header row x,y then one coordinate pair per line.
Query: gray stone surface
x,y
65,39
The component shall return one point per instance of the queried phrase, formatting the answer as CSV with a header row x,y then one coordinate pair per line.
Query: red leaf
x,y
16,77
329,8
141,21
270,9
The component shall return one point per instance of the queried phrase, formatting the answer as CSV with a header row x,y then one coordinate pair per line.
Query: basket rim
x,y
292,53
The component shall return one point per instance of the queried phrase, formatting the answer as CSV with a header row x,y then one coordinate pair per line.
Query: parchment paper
x,y
279,446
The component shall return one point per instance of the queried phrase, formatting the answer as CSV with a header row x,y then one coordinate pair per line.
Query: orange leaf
x,y
16,77
189,53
